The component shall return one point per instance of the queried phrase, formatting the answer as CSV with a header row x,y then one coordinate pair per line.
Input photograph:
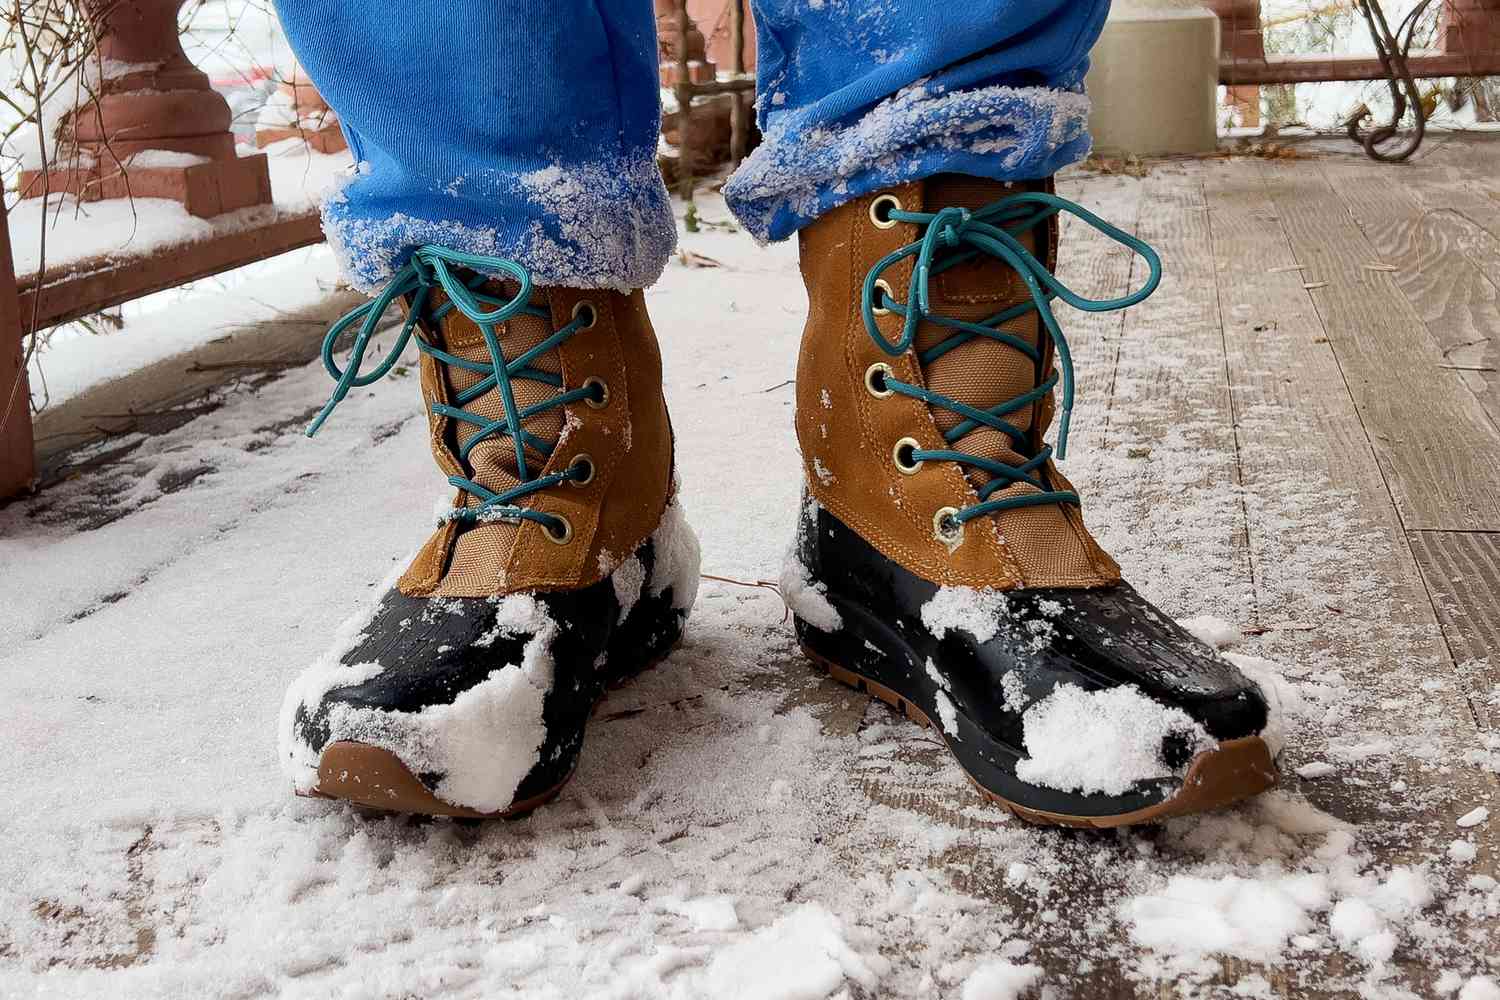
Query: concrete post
x,y
1154,81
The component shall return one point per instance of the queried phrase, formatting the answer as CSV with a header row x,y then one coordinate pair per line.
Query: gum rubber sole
x,y
376,778
1236,770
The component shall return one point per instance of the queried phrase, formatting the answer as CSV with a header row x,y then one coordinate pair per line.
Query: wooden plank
x,y
1437,448
1467,215
17,467
1462,570
1096,268
1446,262
1323,529
1310,437
88,286
1169,445
1323,68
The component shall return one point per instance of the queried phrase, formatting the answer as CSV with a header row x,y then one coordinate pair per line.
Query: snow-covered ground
x,y
170,322
740,826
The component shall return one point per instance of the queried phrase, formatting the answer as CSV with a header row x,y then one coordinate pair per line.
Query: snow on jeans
x,y
528,129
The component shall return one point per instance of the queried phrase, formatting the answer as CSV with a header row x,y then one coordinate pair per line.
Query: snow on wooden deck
x,y
1296,436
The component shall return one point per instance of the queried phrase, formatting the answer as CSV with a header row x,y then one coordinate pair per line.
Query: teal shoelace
x,y
952,236
430,267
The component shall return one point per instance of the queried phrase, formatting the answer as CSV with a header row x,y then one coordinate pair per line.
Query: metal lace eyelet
x,y
600,399
587,463
558,535
881,209
584,304
906,464
886,296
946,526
875,379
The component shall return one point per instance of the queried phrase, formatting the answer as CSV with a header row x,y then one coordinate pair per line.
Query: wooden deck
x,y
1343,321
1302,432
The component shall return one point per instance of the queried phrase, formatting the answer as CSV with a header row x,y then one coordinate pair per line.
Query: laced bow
x,y
434,267
953,236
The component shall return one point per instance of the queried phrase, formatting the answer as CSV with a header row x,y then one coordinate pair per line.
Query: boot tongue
x,y
480,554
982,373
493,460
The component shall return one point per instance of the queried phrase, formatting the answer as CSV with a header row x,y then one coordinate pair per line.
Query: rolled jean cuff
x,y
591,225
801,170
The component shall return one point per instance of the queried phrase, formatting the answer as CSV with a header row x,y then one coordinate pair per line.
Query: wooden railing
x,y
1468,45
690,69
17,462
161,102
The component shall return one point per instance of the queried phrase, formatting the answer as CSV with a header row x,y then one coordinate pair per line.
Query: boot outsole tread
x,y
1234,771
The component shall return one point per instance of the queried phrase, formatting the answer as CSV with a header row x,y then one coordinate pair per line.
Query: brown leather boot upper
x,y
625,438
850,431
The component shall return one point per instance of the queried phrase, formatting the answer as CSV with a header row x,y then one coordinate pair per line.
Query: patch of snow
x,y
1247,917
706,913
999,980
804,955
1014,689
678,558
1474,817
628,580
166,158
1215,632
937,676
163,325
119,227
1462,851
1354,921
977,612
1284,701
1106,740
947,714
1480,988
808,598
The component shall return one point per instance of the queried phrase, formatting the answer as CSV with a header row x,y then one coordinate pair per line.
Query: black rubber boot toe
x,y
972,664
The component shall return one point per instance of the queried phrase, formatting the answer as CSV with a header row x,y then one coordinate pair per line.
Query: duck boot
x,y
942,562
562,567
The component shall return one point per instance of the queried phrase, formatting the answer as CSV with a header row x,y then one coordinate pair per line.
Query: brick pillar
x,y
17,462
718,20
157,109
301,112
1240,40
670,43
1471,28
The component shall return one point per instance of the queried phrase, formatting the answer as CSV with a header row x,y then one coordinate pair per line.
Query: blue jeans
x,y
528,129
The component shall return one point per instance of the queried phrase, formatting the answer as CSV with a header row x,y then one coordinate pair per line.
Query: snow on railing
x,y
146,189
